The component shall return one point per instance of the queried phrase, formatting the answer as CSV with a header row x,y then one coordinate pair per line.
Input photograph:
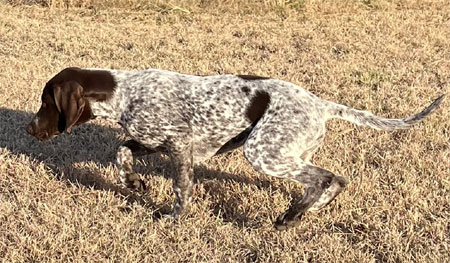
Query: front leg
x,y
183,180
125,159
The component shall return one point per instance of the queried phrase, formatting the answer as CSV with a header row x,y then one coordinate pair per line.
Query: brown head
x,y
63,106
65,103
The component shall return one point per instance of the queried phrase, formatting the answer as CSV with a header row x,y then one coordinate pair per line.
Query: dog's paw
x,y
139,185
136,184
168,216
285,221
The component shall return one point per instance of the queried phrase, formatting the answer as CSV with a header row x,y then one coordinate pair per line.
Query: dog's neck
x,y
110,109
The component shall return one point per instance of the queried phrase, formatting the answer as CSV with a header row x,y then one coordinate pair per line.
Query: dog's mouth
x,y
44,136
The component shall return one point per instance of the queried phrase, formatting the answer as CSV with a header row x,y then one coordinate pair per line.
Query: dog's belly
x,y
209,139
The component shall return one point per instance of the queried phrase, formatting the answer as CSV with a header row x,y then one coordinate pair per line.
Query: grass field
x,y
60,201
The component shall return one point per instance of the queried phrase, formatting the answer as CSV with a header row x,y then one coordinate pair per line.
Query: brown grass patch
x,y
60,201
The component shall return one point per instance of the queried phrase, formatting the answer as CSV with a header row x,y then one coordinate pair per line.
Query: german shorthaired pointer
x,y
192,118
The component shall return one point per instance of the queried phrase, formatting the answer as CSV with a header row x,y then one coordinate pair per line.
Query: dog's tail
x,y
365,118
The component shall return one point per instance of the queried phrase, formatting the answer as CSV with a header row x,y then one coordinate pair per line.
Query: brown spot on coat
x,y
258,106
245,89
251,77
236,141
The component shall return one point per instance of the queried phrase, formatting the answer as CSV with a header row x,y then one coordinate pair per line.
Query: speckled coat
x,y
192,118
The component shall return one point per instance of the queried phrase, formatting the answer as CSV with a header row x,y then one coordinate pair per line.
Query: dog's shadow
x,y
96,143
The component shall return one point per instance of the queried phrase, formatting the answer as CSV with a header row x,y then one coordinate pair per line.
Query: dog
x,y
192,118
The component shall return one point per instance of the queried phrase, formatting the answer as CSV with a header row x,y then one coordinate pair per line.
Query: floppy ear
x,y
70,103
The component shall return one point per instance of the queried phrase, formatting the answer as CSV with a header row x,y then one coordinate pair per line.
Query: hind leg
x,y
336,186
321,187
281,157
337,183
307,154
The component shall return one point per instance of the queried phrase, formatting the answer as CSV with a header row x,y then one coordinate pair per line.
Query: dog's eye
x,y
44,104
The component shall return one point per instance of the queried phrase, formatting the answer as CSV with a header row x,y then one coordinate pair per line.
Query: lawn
x,y
60,201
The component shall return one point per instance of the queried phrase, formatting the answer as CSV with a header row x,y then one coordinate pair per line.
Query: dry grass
x,y
60,201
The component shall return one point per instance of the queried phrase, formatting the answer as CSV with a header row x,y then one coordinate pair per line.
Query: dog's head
x,y
63,106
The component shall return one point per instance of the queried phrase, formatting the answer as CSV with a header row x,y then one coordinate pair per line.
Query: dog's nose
x,y
30,129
